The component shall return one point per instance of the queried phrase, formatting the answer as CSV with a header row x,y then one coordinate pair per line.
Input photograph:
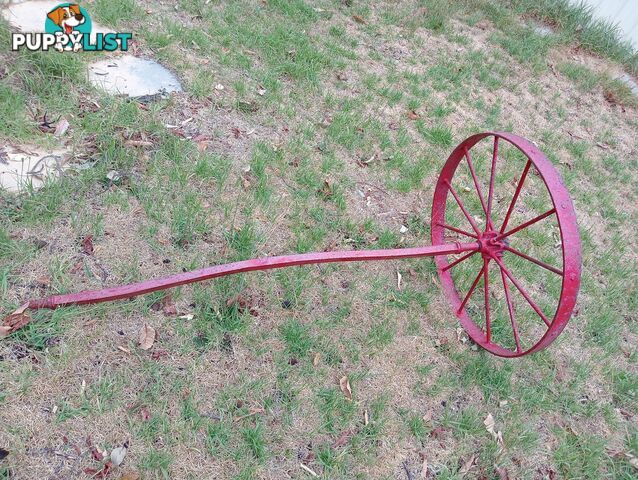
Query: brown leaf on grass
x,y
138,143
412,115
467,466
202,145
610,97
438,432
252,411
130,476
95,453
502,473
490,427
631,458
147,336
243,304
359,19
14,321
165,304
61,128
344,384
145,413
343,438
43,281
77,267
87,245
326,189
169,309
103,473
625,413
315,359
157,354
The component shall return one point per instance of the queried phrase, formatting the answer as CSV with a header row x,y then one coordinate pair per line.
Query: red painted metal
x,y
491,243
267,263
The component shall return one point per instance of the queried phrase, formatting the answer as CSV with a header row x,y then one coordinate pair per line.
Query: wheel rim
x,y
494,228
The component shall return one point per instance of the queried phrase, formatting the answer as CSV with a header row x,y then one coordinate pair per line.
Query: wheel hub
x,y
491,245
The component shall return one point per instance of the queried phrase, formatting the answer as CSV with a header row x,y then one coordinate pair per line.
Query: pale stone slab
x,y
24,166
133,76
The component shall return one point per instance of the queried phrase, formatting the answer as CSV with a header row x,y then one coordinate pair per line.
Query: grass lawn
x,y
311,126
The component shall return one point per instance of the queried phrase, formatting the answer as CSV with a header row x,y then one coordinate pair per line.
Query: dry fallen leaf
x,y
489,424
399,278
503,474
61,127
438,432
359,19
43,281
315,360
467,466
412,115
5,331
145,413
14,321
147,337
343,438
95,453
490,427
252,411
424,468
87,245
326,189
344,383
130,476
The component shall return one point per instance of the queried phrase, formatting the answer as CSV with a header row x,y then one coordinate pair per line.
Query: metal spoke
x,y
534,260
510,309
528,223
462,207
522,290
490,196
476,184
459,260
488,327
458,230
469,294
516,194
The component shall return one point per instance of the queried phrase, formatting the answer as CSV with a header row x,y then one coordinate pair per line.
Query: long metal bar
x,y
266,263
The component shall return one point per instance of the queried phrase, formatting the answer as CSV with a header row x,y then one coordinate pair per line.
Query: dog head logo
x,y
68,18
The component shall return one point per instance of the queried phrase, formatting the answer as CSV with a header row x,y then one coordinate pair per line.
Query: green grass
x,y
310,147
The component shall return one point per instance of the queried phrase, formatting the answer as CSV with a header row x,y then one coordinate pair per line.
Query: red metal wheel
x,y
507,192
